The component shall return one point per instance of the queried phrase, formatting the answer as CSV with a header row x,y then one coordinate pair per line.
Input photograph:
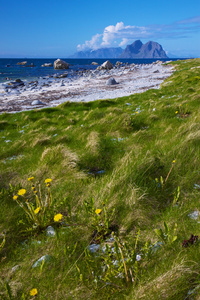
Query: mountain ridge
x,y
135,50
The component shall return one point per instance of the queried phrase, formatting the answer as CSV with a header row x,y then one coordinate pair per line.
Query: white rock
x,y
60,64
44,258
93,248
106,65
37,102
138,257
47,65
194,215
50,231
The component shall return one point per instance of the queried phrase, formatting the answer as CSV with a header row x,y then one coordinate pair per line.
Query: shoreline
x,y
88,85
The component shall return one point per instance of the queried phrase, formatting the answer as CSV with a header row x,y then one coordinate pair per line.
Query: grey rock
x,y
194,215
94,248
47,65
15,268
50,231
15,84
22,63
31,65
19,81
60,64
44,259
94,63
37,102
118,64
64,75
111,81
105,66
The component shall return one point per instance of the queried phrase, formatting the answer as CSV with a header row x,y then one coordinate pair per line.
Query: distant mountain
x,y
135,50
140,50
99,53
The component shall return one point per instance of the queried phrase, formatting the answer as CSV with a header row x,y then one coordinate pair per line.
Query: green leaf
x,y
166,228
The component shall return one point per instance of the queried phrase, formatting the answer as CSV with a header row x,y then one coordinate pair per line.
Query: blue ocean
x,y
9,70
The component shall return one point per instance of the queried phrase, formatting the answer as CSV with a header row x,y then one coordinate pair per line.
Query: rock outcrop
x,y
60,64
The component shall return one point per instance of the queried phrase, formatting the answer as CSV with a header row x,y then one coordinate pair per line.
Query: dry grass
x,y
93,142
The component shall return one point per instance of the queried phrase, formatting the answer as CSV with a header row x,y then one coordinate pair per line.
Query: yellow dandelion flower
x,y
33,188
176,112
15,197
58,217
48,184
98,211
48,180
136,112
30,178
22,192
36,211
174,161
33,292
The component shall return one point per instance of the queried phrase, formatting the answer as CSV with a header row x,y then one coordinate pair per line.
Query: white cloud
x,y
124,42
121,35
92,44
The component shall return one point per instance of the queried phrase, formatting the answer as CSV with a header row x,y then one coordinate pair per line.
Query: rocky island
x,y
136,50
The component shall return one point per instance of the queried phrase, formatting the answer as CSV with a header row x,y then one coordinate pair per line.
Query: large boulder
x,y
111,81
106,66
60,64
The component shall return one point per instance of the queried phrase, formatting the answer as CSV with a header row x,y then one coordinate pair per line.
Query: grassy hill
x,y
119,182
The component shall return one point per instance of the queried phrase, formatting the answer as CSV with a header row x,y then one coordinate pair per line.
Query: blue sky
x,y
60,28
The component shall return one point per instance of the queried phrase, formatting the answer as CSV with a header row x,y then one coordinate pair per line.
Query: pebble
x,y
15,268
50,231
94,248
194,215
37,102
45,258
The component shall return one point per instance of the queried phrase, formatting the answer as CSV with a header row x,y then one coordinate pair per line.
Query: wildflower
x,y
33,292
33,188
30,178
58,217
174,161
36,211
48,184
98,211
22,192
15,197
138,257
176,112
136,112
48,180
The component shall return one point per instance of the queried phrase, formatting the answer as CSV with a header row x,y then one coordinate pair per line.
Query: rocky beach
x,y
105,82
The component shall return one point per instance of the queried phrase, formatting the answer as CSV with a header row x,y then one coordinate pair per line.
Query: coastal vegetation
x,y
100,200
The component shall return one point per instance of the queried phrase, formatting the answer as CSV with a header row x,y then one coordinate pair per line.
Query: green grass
x,y
105,150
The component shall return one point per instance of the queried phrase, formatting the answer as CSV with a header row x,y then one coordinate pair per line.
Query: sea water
x,y
9,70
